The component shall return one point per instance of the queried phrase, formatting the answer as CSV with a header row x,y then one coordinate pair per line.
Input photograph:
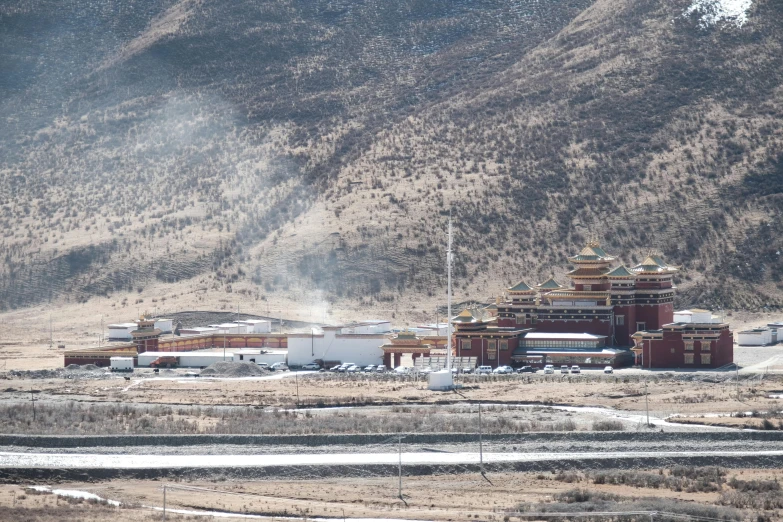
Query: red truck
x,y
166,361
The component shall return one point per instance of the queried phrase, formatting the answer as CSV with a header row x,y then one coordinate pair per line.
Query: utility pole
x,y
296,378
399,468
481,442
646,403
449,262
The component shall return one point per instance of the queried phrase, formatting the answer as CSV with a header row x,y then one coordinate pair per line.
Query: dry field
x,y
439,497
685,395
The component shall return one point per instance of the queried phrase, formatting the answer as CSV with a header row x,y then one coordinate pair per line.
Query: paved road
x,y
98,461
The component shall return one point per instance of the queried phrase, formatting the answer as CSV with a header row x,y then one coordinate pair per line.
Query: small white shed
x,y
755,337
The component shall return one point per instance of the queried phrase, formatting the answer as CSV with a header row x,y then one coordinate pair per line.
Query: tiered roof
x,y
549,284
591,253
591,272
654,265
620,272
522,288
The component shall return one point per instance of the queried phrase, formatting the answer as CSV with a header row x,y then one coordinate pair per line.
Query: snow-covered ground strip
x,y
99,461
73,493
712,12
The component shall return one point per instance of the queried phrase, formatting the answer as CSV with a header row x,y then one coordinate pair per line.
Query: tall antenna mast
x,y
449,257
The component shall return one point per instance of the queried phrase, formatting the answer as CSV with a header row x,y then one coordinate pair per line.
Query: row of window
x,y
540,343
706,358
492,344
702,344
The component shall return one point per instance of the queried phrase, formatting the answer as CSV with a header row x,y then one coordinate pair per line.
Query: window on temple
x,y
533,320
492,345
504,345
619,320
587,288
641,327
689,346
688,358
706,358
492,354
466,345
521,319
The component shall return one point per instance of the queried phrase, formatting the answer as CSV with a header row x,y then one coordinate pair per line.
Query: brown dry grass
x,y
439,497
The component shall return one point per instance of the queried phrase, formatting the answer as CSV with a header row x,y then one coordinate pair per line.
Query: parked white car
x,y
608,369
311,366
503,370
278,367
484,369
381,368
401,369
370,368
549,369
353,369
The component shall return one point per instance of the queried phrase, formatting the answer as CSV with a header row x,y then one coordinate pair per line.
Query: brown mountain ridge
x,y
298,148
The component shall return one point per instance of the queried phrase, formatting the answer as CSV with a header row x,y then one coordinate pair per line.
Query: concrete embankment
x,y
86,441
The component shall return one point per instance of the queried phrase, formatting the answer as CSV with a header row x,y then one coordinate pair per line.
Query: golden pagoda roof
x,y
550,284
406,334
591,252
591,272
600,294
521,287
654,265
621,271
465,316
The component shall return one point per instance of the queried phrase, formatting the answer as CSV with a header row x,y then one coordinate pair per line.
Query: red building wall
x,y
623,332
654,316
479,348
669,352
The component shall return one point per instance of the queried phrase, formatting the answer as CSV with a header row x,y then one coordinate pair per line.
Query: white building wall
x,y
329,346
260,355
257,325
120,331
166,325
199,330
230,328
121,363
757,337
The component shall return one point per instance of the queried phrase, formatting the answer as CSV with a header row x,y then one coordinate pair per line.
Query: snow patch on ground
x,y
72,493
712,12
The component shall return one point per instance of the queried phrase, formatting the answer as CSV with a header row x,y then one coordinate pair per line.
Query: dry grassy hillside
x,y
293,149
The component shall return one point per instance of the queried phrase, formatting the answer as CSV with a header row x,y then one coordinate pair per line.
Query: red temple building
x,y
146,336
614,302
604,312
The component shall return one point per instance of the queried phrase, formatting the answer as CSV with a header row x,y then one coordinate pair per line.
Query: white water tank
x,y
442,380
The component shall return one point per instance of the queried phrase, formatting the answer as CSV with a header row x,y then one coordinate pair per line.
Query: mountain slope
x,y
282,148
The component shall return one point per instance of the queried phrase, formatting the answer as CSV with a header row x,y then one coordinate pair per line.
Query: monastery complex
x,y
609,315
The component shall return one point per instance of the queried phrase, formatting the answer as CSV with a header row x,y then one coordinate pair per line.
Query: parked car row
x,y
354,368
481,370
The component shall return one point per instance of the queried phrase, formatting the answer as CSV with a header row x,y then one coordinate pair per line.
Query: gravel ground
x,y
746,356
